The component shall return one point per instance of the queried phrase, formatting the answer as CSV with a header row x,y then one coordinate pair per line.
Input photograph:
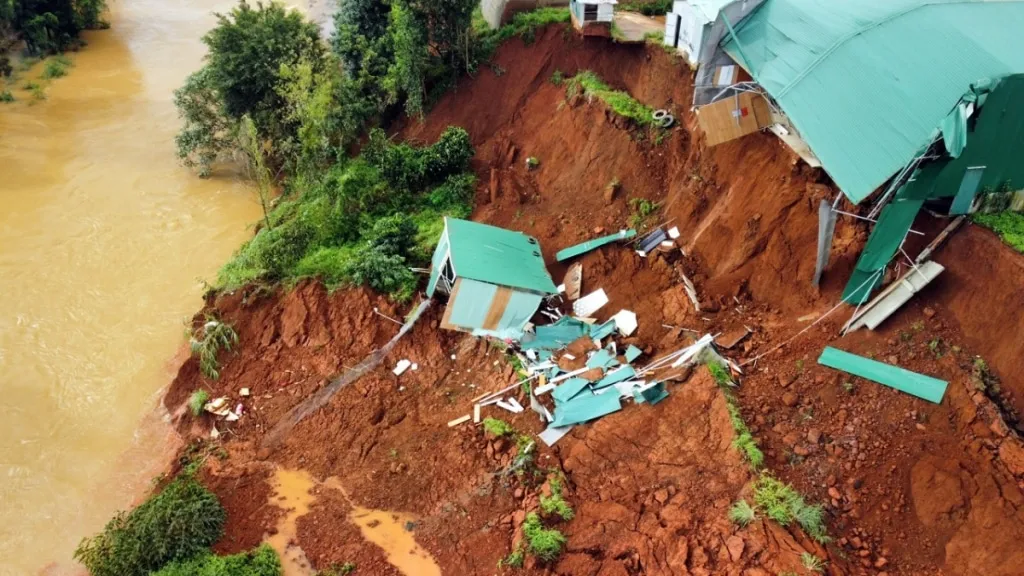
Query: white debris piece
x,y
515,404
568,356
552,435
476,413
590,303
459,420
673,232
231,417
540,409
214,433
532,355
414,366
401,367
561,288
625,321
243,392
510,407
691,352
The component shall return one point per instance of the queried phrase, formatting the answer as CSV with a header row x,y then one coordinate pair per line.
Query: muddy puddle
x,y
389,531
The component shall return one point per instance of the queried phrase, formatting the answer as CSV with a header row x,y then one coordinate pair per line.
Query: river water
x,y
103,241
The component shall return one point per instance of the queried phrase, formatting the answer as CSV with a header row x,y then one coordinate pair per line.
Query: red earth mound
x,y
909,487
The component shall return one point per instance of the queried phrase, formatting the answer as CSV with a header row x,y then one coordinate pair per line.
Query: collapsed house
x,y
916,99
495,279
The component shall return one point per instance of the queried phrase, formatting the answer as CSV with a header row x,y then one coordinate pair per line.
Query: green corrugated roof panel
x,y
620,374
471,304
585,407
886,238
594,244
931,389
569,389
497,256
868,82
652,395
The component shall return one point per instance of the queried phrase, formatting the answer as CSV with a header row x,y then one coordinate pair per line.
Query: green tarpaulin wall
x,y
931,389
893,225
995,141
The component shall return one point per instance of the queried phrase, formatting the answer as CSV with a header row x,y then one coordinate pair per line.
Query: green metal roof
x,y
868,82
498,256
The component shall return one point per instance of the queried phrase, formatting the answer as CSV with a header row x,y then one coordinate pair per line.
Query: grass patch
x,y
523,25
341,569
742,513
498,427
648,8
544,543
812,562
6,96
1009,226
555,504
56,67
515,559
197,401
640,210
621,103
208,342
783,504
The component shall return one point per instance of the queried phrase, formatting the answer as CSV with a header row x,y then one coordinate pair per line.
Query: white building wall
x,y
690,24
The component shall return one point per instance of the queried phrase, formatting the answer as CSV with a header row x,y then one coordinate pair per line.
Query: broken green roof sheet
x,y
589,245
567,390
497,256
886,238
868,82
652,395
926,387
554,336
585,407
620,374
632,353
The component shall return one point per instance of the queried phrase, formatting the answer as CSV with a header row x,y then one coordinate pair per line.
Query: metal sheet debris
x,y
589,245
926,387
569,389
626,322
615,376
540,409
632,353
574,281
590,303
584,408
826,230
599,331
401,367
651,394
894,296
459,420
553,434
650,242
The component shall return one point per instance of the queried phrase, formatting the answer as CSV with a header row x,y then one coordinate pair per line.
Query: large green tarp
x,y
886,238
867,83
926,387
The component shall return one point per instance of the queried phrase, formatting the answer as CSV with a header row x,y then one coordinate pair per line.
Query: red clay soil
x,y
909,487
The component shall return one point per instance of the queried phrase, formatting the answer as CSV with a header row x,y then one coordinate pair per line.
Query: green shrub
x,y
544,543
56,67
385,273
331,265
557,78
556,505
524,25
177,524
776,499
515,559
262,561
455,192
742,513
498,427
213,337
197,401
38,92
393,235
6,96
621,103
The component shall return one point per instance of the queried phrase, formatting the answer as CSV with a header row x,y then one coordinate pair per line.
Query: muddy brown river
x,y
104,239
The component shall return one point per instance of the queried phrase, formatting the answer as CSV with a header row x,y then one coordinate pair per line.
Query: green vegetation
x,y
648,8
262,561
742,513
339,569
640,210
46,26
175,525
213,337
56,67
557,78
744,441
720,374
621,103
556,505
524,25
6,96
544,543
515,559
812,562
364,221
197,401
783,504
38,92
983,378
1007,225
497,427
